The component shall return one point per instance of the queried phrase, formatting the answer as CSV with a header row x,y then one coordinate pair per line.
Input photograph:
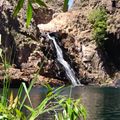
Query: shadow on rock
x,y
8,25
109,54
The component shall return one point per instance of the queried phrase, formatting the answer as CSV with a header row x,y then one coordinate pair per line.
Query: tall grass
x,y
11,106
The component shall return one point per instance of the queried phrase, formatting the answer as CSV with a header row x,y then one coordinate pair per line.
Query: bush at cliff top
x,y
98,19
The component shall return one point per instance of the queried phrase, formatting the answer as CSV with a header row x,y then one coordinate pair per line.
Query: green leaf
x,y
29,89
27,93
18,7
37,112
29,13
65,6
41,3
49,88
83,112
1,53
42,107
29,108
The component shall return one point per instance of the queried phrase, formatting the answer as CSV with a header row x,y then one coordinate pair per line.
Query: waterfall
x,y
70,3
69,71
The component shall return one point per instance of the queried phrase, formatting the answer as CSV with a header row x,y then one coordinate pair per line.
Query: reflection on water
x,y
101,103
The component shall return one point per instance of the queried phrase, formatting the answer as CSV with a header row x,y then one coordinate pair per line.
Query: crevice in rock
x,y
113,3
112,47
110,54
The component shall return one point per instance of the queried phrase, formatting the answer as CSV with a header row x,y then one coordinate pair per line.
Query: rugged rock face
x,y
100,65
26,49
21,45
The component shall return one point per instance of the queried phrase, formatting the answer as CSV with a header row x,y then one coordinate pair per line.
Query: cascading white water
x,y
69,71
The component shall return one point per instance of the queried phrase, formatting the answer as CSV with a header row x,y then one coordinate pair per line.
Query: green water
x,y
101,103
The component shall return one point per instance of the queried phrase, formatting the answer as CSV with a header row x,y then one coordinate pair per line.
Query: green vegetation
x,y
98,18
10,113
72,110
65,6
8,105
29,10
12,109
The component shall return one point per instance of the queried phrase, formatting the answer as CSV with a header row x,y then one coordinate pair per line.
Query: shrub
x,y
98,19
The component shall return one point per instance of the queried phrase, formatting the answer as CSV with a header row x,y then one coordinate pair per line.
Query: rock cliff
x,y
26,49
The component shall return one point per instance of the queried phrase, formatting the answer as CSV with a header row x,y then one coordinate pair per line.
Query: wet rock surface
x,y
27,50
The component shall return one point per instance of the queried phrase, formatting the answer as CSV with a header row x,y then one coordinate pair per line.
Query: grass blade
x,y
41,3
42,107
32,83
20,90
29,13
27,93
65,6
18,7
29,89
11,100
29,108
